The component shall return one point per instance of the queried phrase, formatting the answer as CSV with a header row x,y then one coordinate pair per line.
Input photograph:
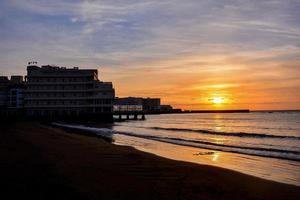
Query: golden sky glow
x,y
192,82
217,100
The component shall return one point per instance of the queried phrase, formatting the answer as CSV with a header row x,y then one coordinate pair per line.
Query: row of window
x,y
68,112
71,102
68,95
60,79
127,107
47,95
60,87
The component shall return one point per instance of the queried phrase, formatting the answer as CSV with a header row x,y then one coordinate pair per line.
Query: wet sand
x,y
42,162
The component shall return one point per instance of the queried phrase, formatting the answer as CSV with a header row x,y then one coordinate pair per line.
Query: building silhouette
x,y
52,91
60,91
148,105
12,93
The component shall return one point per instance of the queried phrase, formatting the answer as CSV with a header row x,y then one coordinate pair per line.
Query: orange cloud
x,y
253,81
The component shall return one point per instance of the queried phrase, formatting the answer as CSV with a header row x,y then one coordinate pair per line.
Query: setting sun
x,y
217,100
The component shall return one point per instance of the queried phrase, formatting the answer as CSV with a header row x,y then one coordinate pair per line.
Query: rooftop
x,y
56,68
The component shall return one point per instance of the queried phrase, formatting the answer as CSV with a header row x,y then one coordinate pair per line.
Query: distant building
x,y
16,97
16,94
12,95
137,104
60,91
166,108
151,104
128,104
129,101
4,87
16,79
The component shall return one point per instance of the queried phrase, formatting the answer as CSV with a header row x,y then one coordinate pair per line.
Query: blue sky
x,y
130,39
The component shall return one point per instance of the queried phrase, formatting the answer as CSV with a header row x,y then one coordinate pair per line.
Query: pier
x,y
129,115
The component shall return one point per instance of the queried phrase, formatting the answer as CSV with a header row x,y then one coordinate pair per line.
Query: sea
x,y
264,144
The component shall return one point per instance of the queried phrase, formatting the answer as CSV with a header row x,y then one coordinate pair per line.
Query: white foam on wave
x,y
103,132
108,133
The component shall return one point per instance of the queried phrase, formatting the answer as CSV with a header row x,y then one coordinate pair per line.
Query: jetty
x,y
129,115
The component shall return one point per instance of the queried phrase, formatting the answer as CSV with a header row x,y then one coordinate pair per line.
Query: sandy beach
x,y
42,162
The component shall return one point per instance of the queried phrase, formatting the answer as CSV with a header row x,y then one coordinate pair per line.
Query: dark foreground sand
x,y
41,162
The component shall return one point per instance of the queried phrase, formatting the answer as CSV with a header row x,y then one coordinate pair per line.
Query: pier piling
x,y
130,115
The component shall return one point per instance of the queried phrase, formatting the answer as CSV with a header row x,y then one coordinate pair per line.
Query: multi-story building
x,y
166,108
151,104
137,104
60,91
128,104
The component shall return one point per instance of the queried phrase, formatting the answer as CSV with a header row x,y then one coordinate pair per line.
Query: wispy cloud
x,y
180,45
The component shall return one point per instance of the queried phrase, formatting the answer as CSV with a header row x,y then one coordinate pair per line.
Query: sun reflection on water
x,y
218,128
218,140
218,125
215,157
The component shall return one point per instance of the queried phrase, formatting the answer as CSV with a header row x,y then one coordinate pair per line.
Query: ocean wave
x,y
236,134
104,133
256,151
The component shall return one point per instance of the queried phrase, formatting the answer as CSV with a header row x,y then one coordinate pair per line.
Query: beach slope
x,y
42,162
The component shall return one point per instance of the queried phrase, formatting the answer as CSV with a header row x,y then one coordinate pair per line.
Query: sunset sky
x,y
245,53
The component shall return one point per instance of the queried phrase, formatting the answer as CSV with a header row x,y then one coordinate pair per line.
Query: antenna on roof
x,y
32,62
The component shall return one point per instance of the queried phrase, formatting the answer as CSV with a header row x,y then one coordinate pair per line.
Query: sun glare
x,y
217,100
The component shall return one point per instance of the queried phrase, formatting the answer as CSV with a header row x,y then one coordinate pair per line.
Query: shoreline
x,y
227,160
84,130
96,169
